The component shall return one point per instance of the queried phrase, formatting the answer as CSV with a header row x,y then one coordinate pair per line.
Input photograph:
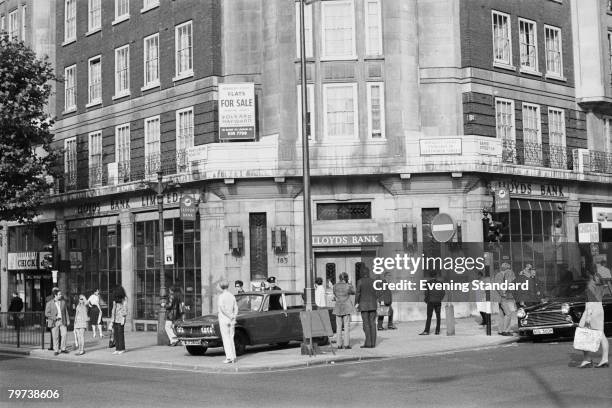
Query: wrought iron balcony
x,y
600,162
96,175
70,180
538,155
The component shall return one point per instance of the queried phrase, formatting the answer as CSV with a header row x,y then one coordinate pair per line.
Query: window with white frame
x,y
307,29
184,50
70,161
373,22
502,44
504,119
95,159
95,80
122,9
310,112
151,60
376,110
24,12
184,136
94,20
610,53
340,111
69,20
608,134
152,145
13,28
338,25
2,22
70,88
149,4
122,71
122,151
531,124
528,45
554,55
556,138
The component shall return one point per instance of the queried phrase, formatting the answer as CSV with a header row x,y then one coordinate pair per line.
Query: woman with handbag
x,y
118,319
593,317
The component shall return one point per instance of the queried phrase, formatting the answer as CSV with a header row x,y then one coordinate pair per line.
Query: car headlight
x,y
208,330
524,322
521,313
565,308
179,329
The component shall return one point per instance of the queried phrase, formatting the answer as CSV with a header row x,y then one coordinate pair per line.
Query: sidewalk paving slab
x,y
143,351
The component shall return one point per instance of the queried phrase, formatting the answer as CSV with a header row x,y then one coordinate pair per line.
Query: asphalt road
x,y
520,375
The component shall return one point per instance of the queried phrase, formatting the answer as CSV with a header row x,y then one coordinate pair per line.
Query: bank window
x,y
528,45
340,111
94,20
95,81
554,55
184,136
70,161
307,30
122,10
502,44
122,152
376,110
95,159
69,20
344,211
151,60
183,47
373,22
504,125
122,71
70,88
556,137
310,124
152,145
13,29
338,25
531,124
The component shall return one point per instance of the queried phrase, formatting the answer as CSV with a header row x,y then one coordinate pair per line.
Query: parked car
x,y
268,317
560,316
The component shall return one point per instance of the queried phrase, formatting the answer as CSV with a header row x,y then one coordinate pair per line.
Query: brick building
x,y
416,108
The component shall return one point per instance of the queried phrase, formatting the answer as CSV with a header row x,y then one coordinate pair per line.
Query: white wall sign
x,y
20,261
603,215
588,232
489,146
430,147
237,111
168,248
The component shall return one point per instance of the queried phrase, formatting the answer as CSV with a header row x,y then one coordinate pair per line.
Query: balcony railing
x,y
600,162
70,180
96,174
538,155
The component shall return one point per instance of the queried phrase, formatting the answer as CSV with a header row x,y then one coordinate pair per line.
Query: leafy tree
x,y
26,155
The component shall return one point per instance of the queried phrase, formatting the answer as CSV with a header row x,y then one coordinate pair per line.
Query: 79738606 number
x,y
48,394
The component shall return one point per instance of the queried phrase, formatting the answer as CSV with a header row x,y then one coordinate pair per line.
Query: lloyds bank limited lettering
x,y
531,189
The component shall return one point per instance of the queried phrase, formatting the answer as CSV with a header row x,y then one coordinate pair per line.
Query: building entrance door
x,y
329,266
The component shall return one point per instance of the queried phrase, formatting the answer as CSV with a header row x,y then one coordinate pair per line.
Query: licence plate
x,y
543,331
192,342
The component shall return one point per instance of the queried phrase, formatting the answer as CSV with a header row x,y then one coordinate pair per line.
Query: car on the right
x,y
558,316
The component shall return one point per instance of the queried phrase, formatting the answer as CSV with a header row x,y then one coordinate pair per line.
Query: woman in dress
x,y
118,318
593,317
80,323
95,313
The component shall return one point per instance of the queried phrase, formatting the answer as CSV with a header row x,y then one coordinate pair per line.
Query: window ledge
x,y
69,110
145,9
331,59
152,85
121,95
120,19
530,72
555,77
68,41
374,57
183,75
504,66
93,31
94,103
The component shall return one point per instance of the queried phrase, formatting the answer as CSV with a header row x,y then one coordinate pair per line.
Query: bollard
x,y
450,319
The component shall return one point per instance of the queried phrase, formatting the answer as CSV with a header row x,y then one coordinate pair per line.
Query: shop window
x,y
344,211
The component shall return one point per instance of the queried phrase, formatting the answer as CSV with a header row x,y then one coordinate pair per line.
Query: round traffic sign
x,y
443,227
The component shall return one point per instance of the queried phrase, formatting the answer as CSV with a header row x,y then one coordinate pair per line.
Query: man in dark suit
x,y
433,298
56,312
275,300
366,302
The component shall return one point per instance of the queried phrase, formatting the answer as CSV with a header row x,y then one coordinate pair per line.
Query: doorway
x,y
330,265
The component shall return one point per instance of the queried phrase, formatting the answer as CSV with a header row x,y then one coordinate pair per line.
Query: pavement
x,y
143,351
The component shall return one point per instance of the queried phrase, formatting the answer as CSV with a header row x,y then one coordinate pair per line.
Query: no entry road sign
x,y
443,227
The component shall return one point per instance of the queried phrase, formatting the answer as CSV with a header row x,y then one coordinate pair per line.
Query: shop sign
x,y
603,215
188,208
588,232
431,147
502,201
515,188
168,248
347,240
21,261
237,111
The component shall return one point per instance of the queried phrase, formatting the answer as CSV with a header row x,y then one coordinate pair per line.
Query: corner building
x,y
415,108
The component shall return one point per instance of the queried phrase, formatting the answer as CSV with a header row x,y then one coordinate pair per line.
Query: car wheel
x,y
196,350
240,342
321,341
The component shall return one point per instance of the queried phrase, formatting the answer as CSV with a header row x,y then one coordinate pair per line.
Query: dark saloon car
x,y
269,317
560,317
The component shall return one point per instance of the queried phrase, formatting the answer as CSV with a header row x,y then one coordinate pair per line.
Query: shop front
x,y
29,278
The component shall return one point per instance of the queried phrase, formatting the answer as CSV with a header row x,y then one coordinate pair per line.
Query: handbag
x,y
382,310
586,339
111,341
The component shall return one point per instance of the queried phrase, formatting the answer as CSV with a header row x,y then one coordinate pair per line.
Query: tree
x,y
26,156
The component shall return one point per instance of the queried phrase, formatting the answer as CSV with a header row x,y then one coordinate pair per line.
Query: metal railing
x,y
22,328
536,154
601,162
95,175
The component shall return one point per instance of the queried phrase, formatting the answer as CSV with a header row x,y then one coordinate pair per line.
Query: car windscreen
x,y
249,303
294,301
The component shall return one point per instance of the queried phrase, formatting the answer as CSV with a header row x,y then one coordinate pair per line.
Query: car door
x,y
268,326
294,304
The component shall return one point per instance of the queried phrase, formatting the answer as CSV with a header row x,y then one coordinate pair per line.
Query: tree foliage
x,y
26,155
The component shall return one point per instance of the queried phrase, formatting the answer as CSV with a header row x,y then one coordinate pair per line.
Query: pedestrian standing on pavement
x,y
320,292
118,318
385,298
593,317
366,302
81,320
95,312
172,314
507,305
56,313
343,310
433,299
533,294
228,311
15,309
49,329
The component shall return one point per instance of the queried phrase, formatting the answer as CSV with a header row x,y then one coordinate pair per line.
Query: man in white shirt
x,y
228,310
